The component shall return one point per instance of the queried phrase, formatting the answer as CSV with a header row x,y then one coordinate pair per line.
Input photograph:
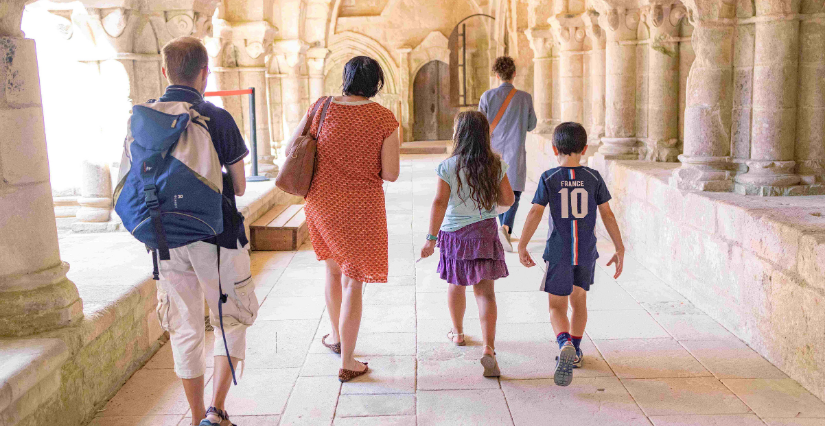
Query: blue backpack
x,y
169,190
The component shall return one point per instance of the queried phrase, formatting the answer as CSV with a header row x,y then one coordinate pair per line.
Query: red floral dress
x,y
345,209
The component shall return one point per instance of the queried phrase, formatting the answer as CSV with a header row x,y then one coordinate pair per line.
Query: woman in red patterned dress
x,y
358,149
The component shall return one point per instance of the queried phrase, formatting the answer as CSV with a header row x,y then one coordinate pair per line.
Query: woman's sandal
x,y
452,335
490,364
345,375
335,347
224,416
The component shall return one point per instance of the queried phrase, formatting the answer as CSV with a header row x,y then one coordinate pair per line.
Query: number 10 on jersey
x,y
573,202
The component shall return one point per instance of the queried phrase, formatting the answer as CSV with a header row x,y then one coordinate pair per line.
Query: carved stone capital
x,y
620,24
541,41
316,57
289,57
568,31
250,41
593,30
663,19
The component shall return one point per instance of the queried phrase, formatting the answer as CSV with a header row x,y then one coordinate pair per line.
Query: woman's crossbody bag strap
x,y
311,117
502,109
323,116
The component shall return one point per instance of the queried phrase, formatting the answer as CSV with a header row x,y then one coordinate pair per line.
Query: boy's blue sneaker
x,y
563,375
577,363
221,414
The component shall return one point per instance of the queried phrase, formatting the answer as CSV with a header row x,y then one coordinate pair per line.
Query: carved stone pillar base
x,y
767,178
710,174
619,148
666,150
39,301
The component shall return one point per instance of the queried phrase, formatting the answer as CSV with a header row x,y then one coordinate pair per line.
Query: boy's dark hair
x,y
570,138
504,67
475,156
363,77
183,59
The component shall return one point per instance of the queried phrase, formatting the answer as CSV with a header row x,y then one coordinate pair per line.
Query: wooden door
x,y
431,97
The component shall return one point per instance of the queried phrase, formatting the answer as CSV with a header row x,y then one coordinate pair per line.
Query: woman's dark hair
x,y
474,155
363,77
504,67
569,138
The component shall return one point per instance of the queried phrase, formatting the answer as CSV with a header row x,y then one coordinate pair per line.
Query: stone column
x,y
239,59
541,41
620,83
569,35
405,91
706,158
316,57
663,85
290,62
810,128
35,294
773,127
596,81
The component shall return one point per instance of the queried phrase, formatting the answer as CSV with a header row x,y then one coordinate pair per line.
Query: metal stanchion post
x,y
253,135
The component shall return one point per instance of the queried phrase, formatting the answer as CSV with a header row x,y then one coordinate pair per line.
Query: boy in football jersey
x,y
574,193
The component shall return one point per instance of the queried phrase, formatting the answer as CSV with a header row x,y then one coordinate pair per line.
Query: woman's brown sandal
x,y
490,364
335,347
452,335
345,375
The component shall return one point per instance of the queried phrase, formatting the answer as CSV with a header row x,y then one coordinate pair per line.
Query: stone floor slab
x,y
326,364
260,392
387,318
586,402
651,291
375,405
388,375
699,395
255,420
609,296
626,324
794,422
376,421
523,351
776,397
705,420
167,420
270,260
650,358
292,308
443,366
693,327
279,344
382,294
463,408
312,401
159,391
732,359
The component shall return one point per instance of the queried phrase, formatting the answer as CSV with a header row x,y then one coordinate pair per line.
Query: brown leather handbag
x,y
295,176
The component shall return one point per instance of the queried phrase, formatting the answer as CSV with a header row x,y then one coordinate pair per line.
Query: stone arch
x,y
435,47
345,45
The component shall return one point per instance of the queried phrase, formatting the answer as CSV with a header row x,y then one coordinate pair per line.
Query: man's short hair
x,y
570,138
184,58
363,76
504,67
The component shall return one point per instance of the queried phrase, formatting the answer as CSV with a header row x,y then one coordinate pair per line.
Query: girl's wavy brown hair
x,y
475,156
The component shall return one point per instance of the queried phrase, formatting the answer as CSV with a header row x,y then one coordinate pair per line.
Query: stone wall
x,y
756,265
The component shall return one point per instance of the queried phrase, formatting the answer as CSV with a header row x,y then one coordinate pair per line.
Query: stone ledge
x,y
64,376
752,263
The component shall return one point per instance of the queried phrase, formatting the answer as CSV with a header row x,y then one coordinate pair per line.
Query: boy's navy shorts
x,y
561,277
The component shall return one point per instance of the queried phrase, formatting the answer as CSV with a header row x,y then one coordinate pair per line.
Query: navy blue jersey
x,y
574,194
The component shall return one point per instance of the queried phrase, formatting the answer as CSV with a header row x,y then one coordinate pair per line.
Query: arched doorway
x,y
431,96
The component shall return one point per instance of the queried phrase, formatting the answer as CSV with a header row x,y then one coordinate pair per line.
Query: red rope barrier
x,y
228,93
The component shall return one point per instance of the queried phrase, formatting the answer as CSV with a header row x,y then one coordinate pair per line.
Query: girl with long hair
x,y
473,183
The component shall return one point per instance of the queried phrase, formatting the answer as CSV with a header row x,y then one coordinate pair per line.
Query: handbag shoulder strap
x,y
502,109
323,116
311,117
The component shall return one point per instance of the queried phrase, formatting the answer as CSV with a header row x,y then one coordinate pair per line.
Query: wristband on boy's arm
x,y
431,237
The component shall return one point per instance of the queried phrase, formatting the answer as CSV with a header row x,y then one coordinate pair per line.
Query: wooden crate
x,y
283,228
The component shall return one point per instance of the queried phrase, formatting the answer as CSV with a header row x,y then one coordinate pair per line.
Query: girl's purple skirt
x,y
471,254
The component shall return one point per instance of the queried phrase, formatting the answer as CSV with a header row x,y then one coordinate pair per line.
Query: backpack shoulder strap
x,y
311,117
502,109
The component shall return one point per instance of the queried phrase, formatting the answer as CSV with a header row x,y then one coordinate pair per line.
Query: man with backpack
x,y
174,197
511,115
